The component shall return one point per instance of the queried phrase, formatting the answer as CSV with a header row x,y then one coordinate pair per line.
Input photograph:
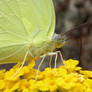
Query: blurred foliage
x,y
71,14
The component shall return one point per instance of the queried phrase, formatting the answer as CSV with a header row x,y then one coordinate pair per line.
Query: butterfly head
x,y
58,40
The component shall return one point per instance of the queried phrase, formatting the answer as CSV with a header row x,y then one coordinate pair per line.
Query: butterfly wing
x,y
37,16
12,35
23,23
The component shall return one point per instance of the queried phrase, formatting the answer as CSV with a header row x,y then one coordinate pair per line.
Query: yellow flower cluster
x,y
67,78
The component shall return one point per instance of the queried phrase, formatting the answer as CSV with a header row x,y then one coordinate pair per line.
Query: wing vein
x,y
11,54
5,31
14,45
16,17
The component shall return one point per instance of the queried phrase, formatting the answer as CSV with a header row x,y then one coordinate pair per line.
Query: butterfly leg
x,y
56,61
21,65
40,66
60,56
50,61
56,54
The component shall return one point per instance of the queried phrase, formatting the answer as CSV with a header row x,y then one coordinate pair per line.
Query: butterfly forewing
x,y
23,23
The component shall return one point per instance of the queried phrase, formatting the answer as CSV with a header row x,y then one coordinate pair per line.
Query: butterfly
x,y
26,28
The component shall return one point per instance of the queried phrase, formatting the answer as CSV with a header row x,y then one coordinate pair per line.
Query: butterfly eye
x,y
56,37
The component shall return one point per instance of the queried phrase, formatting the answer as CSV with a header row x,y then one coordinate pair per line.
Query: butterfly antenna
x,y
21,64
79,26
75,28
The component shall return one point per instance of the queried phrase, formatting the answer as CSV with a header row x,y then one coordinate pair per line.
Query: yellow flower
x,y
31,63
88,90
31,74
60,82
2,84
8,84
25,90
2,72
24,85
69,81
78,88
79,77
88,83
66,78
86,73
15,86
71,64
50,73
41,86
61,71
9,75
33,87
51,83
7,90
78,68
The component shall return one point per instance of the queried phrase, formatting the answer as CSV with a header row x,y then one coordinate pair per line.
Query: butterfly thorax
x,y
47,46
